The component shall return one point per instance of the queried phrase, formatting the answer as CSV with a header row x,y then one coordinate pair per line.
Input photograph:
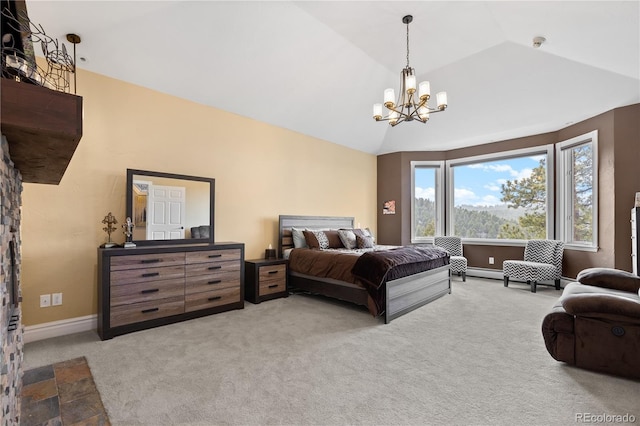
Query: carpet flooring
x,y
474,357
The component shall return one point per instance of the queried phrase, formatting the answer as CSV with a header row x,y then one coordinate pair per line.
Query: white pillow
x,y
298,238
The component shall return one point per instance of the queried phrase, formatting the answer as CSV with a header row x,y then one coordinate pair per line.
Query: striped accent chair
x,y
458,263
542,261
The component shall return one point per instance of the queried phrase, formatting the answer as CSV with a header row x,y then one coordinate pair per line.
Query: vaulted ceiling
x,y
317,67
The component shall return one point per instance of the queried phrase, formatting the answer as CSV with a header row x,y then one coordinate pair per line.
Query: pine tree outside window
x,y
578,191
501,197
427,200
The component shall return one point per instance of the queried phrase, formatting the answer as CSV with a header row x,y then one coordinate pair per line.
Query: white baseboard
x,y
497,275
48,330
485,273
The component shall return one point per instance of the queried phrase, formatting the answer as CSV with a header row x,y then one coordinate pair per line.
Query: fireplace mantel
x,y
43,128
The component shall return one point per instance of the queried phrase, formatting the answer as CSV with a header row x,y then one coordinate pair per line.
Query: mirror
x,y
170,209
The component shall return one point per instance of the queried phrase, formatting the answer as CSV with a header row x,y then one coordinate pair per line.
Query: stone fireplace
x,y
11,330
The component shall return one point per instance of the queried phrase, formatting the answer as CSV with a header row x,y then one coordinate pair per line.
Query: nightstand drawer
x,y
265,279
272,272
272,286
272,279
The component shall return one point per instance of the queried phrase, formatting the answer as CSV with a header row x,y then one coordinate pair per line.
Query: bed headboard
x,y
286,222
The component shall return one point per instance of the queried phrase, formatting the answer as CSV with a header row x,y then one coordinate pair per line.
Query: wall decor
x,y
389,207
110,221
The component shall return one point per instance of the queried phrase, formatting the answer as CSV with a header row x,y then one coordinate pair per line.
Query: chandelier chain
x,y
407,45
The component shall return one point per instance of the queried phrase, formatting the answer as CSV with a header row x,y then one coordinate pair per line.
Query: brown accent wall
x,y
618,178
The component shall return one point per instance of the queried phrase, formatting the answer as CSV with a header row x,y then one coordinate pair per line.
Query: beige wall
x,y
261,171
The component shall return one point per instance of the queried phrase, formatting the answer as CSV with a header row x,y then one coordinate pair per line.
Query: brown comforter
x,y
370,269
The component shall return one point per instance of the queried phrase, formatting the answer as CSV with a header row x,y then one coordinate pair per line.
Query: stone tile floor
x,y
61,394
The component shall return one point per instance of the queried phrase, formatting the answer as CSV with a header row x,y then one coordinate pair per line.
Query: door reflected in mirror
x,y
168,208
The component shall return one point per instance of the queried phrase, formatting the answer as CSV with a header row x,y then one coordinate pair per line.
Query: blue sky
x,y
479,184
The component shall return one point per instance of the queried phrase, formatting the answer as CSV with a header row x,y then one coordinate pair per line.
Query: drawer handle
x,y
211,299
214,282
151,274
150,261
146,311
214,267
211,256
273,286
273,272
153,290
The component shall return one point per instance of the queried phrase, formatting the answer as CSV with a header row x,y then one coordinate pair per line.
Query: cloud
x,y
492,187
490,200
426,193
464,196
502,168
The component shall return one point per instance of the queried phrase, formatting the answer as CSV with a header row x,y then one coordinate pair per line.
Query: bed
x,y
398,294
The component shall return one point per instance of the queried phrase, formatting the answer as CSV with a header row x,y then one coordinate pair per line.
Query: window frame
x,y
439,167
565,221
546,150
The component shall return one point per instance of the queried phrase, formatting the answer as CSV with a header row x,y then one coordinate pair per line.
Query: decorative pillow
x,y
334,238
299,240
364,242
348,238
316,239
371,234
610,278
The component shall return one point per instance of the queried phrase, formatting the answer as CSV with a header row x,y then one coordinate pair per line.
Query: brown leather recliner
x,y
595,324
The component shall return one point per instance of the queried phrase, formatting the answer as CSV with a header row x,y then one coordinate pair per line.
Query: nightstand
x,y
265,279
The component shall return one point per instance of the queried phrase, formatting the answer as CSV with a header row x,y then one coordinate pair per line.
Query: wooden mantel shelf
x,y
43,128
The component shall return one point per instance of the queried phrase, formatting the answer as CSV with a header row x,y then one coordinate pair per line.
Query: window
x,y
577,191
427,200
505,196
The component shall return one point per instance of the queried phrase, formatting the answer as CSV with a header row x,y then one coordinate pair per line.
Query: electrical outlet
x,y
56,299
45,300
491,262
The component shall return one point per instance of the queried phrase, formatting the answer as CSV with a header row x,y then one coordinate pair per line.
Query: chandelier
x,y
409,105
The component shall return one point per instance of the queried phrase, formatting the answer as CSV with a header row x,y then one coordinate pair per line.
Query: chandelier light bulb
x,y
377,111
393,117
424,90
441,98
389,98
423,113
410,84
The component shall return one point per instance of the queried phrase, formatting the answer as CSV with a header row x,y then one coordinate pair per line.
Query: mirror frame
x,y
129,205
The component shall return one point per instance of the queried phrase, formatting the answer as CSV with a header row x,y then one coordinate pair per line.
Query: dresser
x,y
266,279
150,286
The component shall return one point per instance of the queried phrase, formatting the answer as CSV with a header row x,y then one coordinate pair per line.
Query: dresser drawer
x,y
199,283
141,261
272,279
211,299
213,256
146,291
212,268
131,276
129,314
